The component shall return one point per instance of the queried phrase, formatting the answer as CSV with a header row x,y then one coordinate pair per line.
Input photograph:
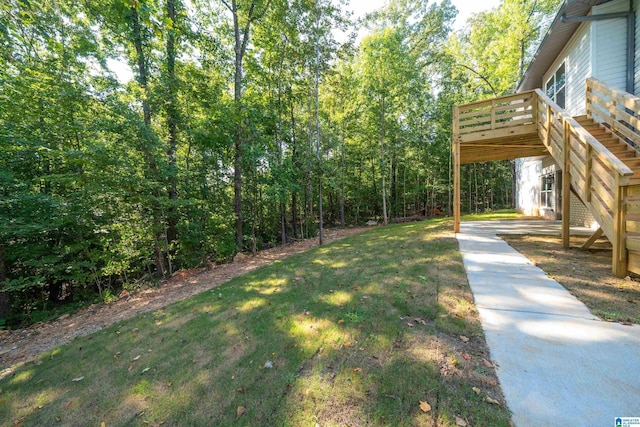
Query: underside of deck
x,y
502,144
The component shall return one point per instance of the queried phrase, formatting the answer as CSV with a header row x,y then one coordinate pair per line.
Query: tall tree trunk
x,y
142,78
394,182
172,131
342,173
384,195
294,160
5,301
318,145
238,143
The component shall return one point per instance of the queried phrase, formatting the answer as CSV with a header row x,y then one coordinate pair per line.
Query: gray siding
x,y
609,45
577,58
636,8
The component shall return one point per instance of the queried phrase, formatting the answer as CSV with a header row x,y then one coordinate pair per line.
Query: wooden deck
x,y
597,154
498,129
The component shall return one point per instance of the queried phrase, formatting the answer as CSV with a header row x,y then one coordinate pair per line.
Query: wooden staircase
x,y
629,155
596,152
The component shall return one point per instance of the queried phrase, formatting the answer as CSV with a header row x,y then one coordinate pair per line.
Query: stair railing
x,y
615,107
597,176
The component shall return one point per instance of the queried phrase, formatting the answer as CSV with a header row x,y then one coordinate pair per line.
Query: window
x,y
546,191
556,86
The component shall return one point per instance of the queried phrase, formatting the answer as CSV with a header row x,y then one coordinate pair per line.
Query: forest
x,y
141,137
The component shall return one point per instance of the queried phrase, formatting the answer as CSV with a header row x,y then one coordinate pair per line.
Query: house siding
x,y
636,8
528,173
577,58
580,215
609,45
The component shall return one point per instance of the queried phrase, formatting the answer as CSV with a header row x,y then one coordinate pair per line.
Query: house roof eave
x,y
555,39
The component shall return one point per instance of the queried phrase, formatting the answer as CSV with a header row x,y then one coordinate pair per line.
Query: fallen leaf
x,y
145,370
136,358
240,411
491,400
486,363
466,357
75,380
476,390
460,422
489,382
463,338
340,322
68,405
418,320
424,406
357,369
410,325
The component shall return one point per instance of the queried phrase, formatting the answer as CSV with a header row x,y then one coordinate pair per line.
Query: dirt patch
x,y
586,274
22,345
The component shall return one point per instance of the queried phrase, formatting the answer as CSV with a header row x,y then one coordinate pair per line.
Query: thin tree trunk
x,y
404,191
172,128
317,84
384,195
5,300
148,134
237,143
342,221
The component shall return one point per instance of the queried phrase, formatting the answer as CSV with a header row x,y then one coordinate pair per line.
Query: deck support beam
x,y
566,187
455,152
619,231
595,236
456,186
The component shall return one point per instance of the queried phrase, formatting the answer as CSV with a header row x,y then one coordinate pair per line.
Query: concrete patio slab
x,y
557,363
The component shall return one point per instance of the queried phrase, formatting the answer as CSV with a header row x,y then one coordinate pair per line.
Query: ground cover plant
x,y
376,329
584,273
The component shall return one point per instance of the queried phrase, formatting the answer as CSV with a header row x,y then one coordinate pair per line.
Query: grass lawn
x,y
358,332
495,215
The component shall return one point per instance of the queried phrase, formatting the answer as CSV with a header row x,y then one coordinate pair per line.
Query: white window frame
x,y
547,184
552,89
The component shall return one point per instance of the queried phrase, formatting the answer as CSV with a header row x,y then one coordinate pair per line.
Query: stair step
x,y
633,163
583,119
622,151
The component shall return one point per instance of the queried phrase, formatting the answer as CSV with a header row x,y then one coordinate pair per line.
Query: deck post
x,y
455,148
588,98
588,172
456,186
566,186
619,261
548,125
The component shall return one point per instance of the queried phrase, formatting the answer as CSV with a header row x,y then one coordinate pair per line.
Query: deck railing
x,y
597,176
618,109
620,112
496,114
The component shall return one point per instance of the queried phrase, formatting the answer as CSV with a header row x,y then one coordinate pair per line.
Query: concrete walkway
x,y
558,364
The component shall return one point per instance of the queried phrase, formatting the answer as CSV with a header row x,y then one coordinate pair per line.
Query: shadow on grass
x,y
356,332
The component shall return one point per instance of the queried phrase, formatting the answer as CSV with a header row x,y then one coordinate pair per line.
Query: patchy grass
x,y
586,274
356,332
499,214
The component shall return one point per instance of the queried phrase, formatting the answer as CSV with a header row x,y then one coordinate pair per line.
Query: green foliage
x,y
106,183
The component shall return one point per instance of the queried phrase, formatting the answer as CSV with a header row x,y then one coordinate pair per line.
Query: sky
x,y
466,8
